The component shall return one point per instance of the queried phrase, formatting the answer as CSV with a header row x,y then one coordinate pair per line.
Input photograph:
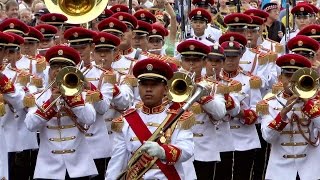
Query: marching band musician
x,y
134,128
156,39
81,40
214,64
302,12
199,22
11,98
56,20
242,127
145,15
64,152
49,33
140,39
125,48
238,22
291,125
25,71
209,110
212,32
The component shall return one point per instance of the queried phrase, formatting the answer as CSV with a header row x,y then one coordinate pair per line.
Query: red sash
x,y
143,134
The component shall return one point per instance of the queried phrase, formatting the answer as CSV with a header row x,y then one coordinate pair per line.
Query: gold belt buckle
x,y
235,127
197,135
294,156
63,151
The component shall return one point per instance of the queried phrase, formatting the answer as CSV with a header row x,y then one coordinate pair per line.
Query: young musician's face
x,y
231,64
30,48
302,21
213,65
252,37
140,42
103,57
3,52
152,92
13,56
155,43
84,51
198,26
46,43
193,65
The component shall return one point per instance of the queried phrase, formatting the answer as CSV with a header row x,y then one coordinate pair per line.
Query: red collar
x,y
126,52
231,74
154,110
117,58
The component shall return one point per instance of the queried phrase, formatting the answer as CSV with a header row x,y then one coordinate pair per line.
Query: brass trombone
x,y
305,83
181,87
70,81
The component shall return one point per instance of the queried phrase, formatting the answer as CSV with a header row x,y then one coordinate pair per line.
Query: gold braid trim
x,y
263,59
41,65
186,121
277,87
262,107
117,124
110,77
2,109
272,56
37,81
29,101
222,89
255,82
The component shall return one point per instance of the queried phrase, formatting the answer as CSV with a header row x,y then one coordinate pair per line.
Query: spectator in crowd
x,y
25,4
3,14
37,5
275,28
112,2
146,3
12,9
25,15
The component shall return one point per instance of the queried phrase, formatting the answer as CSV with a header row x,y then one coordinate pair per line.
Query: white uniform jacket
x,y
126,143
63,147
290,152
15,100
97,135
18,137
245,137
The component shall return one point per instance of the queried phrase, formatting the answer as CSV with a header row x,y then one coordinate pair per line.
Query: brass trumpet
x,y
70,81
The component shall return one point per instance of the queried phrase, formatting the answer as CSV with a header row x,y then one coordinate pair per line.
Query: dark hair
x,y
11,3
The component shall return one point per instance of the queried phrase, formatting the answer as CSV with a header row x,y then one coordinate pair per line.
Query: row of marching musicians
x,y
219,127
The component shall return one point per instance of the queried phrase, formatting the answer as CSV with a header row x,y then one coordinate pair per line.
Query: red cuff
x,y
48,114
230,104
6,86
92,87
277,124
74,101
250,117
172,153
116,91
205,99
311,108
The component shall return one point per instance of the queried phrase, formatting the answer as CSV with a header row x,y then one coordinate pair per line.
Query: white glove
x,y
153,149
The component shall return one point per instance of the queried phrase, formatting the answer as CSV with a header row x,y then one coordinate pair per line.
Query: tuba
x,y
305,83
70,82
77,11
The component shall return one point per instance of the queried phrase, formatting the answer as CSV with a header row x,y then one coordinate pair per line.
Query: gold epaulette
x,y
196,108
130,80
139,105
187,120
263,58
110,77
117,123
235,86
255,82
222,89
23,78
262,107
29,101
41,64
37,81
272,56
92,96
277,87
278,47
2,106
